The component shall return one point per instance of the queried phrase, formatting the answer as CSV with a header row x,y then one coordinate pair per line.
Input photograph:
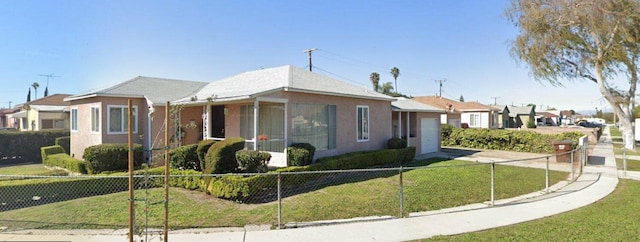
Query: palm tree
x,y
375,80
35,86
395,72
387,88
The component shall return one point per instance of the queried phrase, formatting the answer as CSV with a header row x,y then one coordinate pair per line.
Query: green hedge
x,y
185,158
203,147
27,144
221,156
511,140
300,154
252,160
396,143
65,143
63,160
50,150
112,157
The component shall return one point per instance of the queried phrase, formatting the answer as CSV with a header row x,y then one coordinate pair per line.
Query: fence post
x,y
279,203
573,170
493,172
624,161
401,194
546,175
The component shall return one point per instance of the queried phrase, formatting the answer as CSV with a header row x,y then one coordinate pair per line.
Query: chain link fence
x,y
99,204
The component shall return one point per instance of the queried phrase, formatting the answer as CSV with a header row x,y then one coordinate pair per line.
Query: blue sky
x,y
94,44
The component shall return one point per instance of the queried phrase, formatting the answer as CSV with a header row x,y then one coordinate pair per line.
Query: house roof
x,y
284,78
408,105
515,110
51,100
547,114
452,105
157,90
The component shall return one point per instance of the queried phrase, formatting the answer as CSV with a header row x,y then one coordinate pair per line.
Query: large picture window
x,y
95,119
52,124
74,119
314,124
363,123
118,119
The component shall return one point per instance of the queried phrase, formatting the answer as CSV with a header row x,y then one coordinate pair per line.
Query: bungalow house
x,y
100,116
270,108
474,114
47,113
547,118
6,117
517,117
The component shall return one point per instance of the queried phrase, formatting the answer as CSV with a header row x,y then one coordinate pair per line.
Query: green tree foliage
x,y
395,72
591,40
375,81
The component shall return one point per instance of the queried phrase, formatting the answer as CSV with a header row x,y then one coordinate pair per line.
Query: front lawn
x,y
32,169
424,189
611,219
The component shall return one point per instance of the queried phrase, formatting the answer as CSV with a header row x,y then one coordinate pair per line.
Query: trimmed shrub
x,y
511,140
252,160
185,158
112,157
221,156
445,130
50,150
65,161
203,147
65,142
26,144
300,154
396,143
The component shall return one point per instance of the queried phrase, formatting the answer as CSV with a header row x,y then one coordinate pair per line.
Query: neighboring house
x,y
567,117
6,117
270,108
517,117
547,118
474,114
418,123
47,113
100,116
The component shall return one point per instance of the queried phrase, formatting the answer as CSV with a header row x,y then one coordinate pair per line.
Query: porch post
x,y
256,112
408,127
399,134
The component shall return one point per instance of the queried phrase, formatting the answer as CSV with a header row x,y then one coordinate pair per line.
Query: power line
x,y
310,51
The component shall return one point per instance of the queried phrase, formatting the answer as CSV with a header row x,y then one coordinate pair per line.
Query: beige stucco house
x,y
270,108
47,113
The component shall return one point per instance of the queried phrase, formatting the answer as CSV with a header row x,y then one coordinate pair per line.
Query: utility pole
x,y
9,104
495,101
440,90
310,51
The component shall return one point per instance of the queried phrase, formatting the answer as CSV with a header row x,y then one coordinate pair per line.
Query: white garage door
x,y
429,135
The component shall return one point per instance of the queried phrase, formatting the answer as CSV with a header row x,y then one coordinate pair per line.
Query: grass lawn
x,y
424,189
632,165
611,219
32,169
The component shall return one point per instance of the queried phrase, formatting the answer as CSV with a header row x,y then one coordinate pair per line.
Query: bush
x,y
366,159
300,154
252,160
65,142
27,144
185,158
112,157
396,143
63,160
512,140
50,150
203,147
445,131
221,156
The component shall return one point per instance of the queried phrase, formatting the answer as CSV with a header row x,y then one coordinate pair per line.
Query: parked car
x,y
587,124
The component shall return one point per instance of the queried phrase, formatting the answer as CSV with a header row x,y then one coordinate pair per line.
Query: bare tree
x,y
593,40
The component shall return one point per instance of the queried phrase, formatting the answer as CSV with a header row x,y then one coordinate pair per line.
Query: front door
x,y
217,122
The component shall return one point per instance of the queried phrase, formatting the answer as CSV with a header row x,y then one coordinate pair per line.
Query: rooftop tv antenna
x,y
310,51
49,77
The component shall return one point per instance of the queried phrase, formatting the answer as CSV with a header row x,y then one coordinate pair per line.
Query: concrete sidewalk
x,y
595,183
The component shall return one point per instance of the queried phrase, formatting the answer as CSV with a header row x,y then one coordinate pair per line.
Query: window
x,y
118,119
52,124
314,124
95,119
474,120
363,123
74,119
